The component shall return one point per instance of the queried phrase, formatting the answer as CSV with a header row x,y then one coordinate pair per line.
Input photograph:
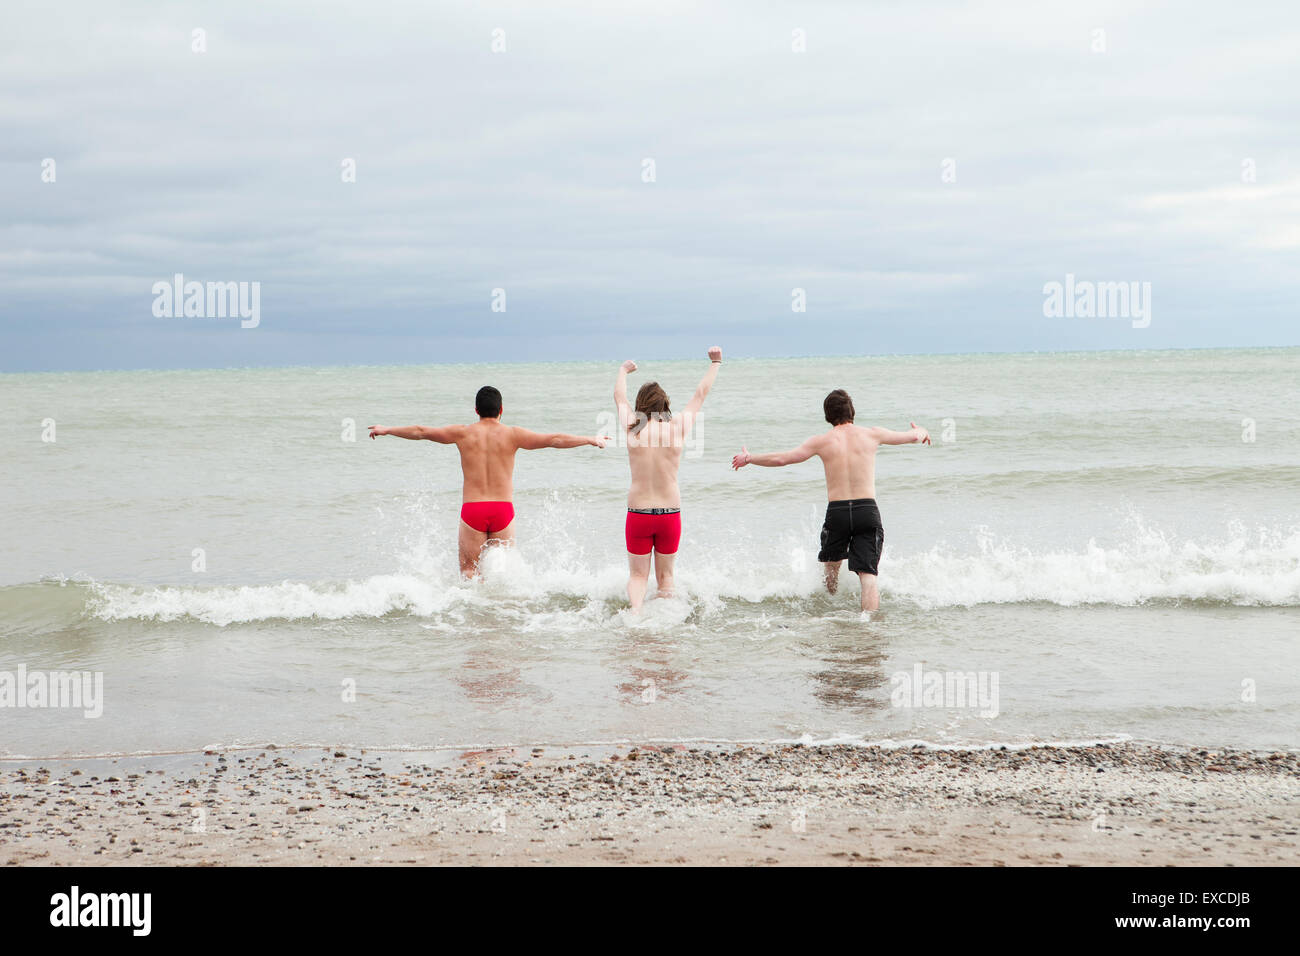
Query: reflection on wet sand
x,y
854,670
652,673
487,679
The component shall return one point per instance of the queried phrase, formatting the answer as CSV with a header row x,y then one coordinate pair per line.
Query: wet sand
x,y
760,805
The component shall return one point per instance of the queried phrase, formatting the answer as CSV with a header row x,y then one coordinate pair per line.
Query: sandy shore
x,y
1103,804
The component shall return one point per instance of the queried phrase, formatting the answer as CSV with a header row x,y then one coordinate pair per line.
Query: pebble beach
x,y
742,805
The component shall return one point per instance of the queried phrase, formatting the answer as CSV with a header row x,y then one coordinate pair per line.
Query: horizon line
x,y
777,358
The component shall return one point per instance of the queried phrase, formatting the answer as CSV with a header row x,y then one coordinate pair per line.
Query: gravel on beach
x,y
762,804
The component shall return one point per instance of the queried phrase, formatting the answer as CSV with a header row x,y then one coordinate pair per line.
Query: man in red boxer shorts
x,y
654,452
487,462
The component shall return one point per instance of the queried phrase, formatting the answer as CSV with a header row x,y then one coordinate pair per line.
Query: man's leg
x,y
638,566
664,573
471,546
870,596
505,538
866,548
832,571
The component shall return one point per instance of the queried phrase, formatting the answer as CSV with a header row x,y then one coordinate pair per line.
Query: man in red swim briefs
x,y
487,461
654,451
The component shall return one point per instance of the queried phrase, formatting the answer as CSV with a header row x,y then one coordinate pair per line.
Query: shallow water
x,y
1094,533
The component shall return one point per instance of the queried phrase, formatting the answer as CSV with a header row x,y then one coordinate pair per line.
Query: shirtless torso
x,y
487,464
487,458
654,454
852,528
848,454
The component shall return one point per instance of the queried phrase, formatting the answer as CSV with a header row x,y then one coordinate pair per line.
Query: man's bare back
x,y
487,458
654,455
848,454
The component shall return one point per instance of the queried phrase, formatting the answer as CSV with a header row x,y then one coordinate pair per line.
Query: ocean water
x,y
1092,531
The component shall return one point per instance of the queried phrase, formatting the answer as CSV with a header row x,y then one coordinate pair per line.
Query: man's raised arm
x,y
706,383
777,458
620,392
447,435
911,437
530,441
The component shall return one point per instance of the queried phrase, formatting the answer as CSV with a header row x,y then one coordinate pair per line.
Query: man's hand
x,y
629,366
715,354
922,436
377,430
599,441
740,461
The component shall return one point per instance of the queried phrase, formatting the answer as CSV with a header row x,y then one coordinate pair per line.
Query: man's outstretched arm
x,y
530,441
777,458
447,435
913,436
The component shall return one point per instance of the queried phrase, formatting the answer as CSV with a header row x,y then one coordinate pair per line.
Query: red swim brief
x,y
655,528
487,516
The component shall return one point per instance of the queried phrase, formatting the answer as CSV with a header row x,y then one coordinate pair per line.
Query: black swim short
x,y
853,530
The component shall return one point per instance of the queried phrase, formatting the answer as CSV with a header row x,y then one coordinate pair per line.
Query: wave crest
x,y
1148,569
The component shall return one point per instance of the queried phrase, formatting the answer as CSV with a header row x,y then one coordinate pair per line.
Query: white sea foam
x,y
1263,570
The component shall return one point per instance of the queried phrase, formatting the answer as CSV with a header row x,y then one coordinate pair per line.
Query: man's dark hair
x,y
487,402
838,407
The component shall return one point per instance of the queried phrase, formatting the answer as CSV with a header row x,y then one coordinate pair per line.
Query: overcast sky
x,y
522,170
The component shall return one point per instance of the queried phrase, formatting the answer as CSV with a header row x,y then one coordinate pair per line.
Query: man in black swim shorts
x,y
853,530
848,453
